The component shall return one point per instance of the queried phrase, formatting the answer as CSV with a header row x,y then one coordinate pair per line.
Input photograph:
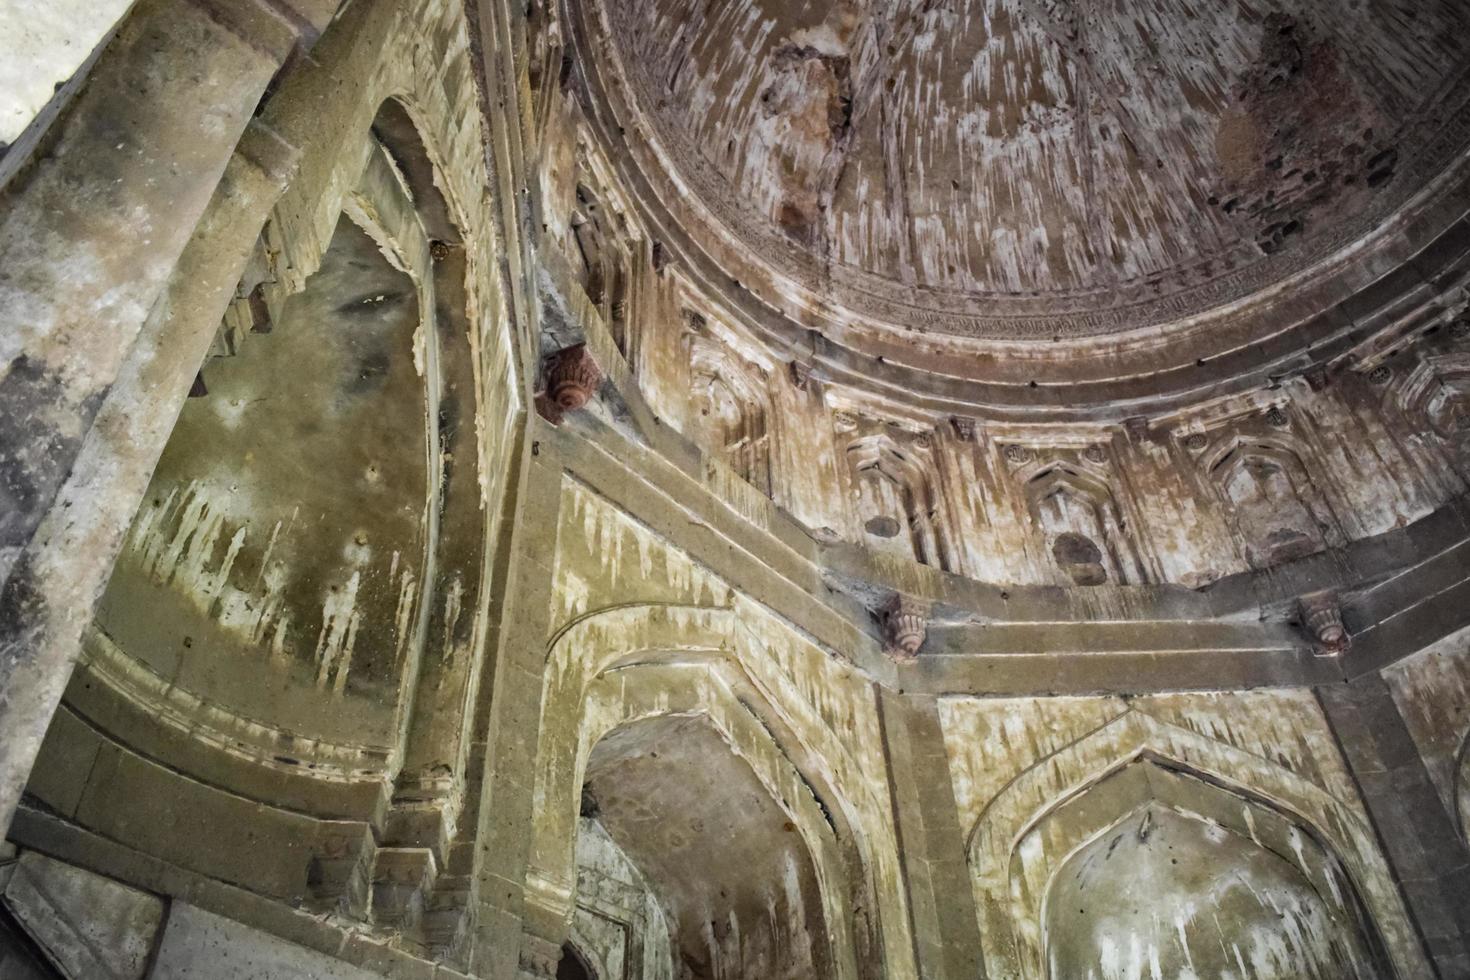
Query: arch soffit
x,y
898,463
1248,819
617,637
613,639
1045,478
1228,453
686,689
342,195
309,207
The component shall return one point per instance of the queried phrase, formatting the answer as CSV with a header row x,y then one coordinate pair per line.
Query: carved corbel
x,y
1321,614
905,625
572,378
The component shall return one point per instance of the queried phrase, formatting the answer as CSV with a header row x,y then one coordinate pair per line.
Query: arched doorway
x,y
573,966
720,853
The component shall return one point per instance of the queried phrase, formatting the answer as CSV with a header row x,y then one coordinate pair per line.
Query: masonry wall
x,y
732,671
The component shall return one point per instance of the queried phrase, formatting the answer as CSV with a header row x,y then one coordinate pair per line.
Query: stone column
x,y
931,842
1429,859
98,350
499,909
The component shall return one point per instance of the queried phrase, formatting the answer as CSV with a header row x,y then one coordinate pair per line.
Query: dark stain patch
x,y
34,457
1301,141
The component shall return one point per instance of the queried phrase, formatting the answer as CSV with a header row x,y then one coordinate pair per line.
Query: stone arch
x,y
1256,891
896,497
624,703
1015,846
1435,397
1273,506
435,734
576,965
609,648
1077,514
215,542
591,242
394,127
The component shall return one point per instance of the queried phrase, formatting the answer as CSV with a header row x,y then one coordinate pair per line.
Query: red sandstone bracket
x,y
572,378
905,625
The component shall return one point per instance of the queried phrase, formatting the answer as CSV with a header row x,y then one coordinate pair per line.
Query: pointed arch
x,y
732,406
1274,507
602,666
1017,843
897,495
1435,396
1076,512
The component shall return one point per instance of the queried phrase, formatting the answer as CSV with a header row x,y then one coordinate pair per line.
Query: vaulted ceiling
x,y
964,172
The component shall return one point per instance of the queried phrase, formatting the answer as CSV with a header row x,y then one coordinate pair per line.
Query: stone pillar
x,y
500,912
96,351
1429,859
931,842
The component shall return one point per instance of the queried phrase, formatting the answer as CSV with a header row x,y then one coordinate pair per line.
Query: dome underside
x,y
1005,168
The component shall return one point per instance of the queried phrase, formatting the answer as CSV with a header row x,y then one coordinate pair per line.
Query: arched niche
x,y
897,506
1082,532
314,535
591,243
601,247
730,407
1271,503
1196,881
1434,397
285,523
574,965
1030,830
620,665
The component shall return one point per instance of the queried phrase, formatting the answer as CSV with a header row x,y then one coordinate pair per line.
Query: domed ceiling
x,y
1031,169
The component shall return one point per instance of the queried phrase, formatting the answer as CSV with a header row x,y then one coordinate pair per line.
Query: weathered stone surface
x,y
88,925
199,945
521,514
45,44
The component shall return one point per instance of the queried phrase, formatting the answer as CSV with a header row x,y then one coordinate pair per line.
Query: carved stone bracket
x,y
572,378
905,625
1321,614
